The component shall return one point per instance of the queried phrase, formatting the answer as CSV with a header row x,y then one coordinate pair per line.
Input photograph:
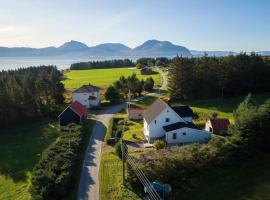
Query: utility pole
x,y
123,146
123,163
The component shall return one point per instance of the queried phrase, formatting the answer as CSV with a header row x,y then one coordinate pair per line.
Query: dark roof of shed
x,y
154,110
87,89
179,125
183,111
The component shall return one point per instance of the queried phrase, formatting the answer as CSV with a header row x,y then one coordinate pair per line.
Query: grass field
x,y
20,150
223,107
111,179
102,77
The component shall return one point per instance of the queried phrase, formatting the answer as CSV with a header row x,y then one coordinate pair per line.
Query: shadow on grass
x,y
22,147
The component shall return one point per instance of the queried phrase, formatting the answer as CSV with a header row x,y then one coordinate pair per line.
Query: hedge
x,y
52,175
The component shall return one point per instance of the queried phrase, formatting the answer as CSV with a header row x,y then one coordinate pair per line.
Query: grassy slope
x,y
223,107
249,180
20,150
101,77
111,179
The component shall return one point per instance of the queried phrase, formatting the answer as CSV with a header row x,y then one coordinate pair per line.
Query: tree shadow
x,y
21,148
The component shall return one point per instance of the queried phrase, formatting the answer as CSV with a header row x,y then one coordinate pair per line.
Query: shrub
x,y
159,144
52,175
112,94
110,141
118,150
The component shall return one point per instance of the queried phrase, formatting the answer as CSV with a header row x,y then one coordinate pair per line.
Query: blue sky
x,y
238,25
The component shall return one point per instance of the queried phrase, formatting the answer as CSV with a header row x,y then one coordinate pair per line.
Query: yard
x,y
111,179
20,150
102,77
134,132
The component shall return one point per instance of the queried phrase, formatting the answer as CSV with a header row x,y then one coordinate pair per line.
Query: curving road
x,y
89,181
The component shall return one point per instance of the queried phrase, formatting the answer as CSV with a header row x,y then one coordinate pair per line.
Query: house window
x,y
184,133
174,136
93,93
167,110
167,119
155,121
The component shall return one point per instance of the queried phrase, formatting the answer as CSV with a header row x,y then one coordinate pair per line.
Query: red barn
x,y
217,126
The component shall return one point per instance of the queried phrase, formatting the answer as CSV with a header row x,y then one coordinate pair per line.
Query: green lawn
x,y
111,179
20,150
102,77
134,133
249,180
223,107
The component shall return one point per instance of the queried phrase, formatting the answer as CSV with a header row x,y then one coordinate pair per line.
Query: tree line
x,y
30,93
118,63
102,64
218,77
125,86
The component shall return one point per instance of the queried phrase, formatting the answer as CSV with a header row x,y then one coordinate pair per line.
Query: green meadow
x,y
20,149
102,77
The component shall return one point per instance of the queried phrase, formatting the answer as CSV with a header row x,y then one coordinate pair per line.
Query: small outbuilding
x,y
135,113
217,126
146,70
75,113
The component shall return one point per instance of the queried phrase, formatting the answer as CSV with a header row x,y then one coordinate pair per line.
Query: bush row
x,y
52,176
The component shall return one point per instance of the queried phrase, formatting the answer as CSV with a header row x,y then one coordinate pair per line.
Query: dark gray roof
x,y
86,89
152,111
183,111
179,125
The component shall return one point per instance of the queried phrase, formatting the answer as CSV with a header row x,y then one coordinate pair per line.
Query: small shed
x,y
146,70
135,113
75,113
217,126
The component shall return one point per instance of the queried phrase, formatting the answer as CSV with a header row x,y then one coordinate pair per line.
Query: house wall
x,y
135,116
208,126
191,136
155,130
83,98
95,102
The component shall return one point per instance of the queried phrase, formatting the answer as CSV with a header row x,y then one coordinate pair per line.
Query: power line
x,y
144,180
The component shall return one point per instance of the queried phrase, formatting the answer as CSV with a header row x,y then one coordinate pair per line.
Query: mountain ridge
x,y
151,48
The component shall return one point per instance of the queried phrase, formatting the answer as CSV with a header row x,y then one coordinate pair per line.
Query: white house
x,y
87,95
173,124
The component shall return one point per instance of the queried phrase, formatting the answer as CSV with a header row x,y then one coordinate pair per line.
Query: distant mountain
x,y
150,48
73,46
78,49
161,48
